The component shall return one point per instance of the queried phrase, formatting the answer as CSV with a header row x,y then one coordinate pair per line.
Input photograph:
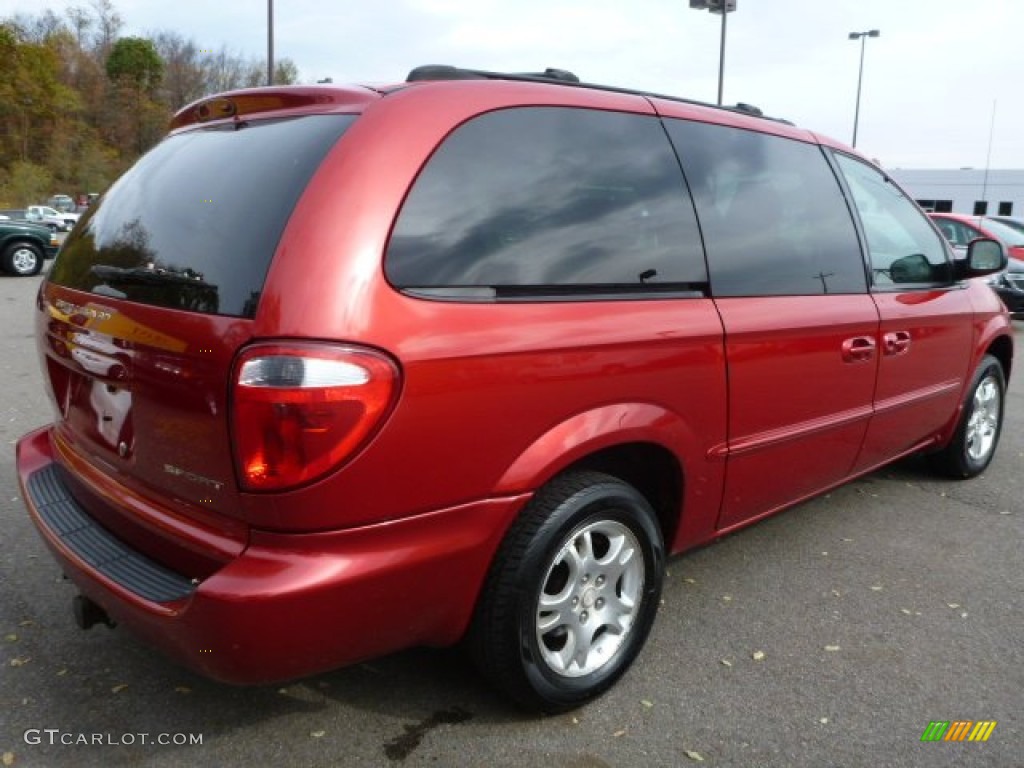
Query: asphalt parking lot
x,y
829,635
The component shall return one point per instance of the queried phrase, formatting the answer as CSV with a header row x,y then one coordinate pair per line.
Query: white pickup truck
x,y
51,217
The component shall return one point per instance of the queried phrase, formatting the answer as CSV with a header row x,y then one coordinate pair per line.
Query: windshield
x,y
195,222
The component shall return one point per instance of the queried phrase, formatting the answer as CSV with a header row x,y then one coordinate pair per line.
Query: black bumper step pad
x,y
98,547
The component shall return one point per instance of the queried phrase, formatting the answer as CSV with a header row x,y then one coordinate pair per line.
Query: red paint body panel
x,y
463,364
921,385
798,411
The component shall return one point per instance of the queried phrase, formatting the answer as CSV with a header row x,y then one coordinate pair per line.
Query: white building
x,y
967,190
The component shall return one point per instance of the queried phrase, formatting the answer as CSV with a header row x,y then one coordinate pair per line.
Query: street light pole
x,y
862,36
724,7
721,59
270,42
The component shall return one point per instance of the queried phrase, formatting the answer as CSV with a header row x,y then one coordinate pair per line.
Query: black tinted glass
x,y
549,197
774,218
194,223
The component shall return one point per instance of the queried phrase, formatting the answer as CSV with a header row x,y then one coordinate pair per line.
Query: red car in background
x,y
961,229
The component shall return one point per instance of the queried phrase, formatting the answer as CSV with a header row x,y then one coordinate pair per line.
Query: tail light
x,y
300,410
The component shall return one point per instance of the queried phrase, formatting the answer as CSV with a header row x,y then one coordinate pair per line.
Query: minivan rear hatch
x,y
154,293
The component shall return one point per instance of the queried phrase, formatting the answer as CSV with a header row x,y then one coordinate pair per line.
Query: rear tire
x,y
22,259
572,593
977,433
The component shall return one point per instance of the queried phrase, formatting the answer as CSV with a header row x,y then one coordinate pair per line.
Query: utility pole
x,y
270,42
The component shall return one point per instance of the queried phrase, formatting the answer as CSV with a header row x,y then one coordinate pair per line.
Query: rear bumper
x,y
289,605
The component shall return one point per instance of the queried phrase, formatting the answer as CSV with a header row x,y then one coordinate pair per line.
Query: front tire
x,y
977,433
572,593
22,259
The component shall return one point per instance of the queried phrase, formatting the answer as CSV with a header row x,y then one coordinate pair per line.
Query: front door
x,y
924,340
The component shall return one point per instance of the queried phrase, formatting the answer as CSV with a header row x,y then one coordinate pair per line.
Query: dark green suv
x,y
24,246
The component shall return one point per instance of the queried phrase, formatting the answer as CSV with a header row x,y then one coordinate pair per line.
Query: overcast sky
x,y
932,80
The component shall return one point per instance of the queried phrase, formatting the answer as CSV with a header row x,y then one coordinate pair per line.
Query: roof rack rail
x,y
750,109
564,77
447,72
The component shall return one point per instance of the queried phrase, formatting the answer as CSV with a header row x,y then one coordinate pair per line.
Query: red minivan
x,y
338,371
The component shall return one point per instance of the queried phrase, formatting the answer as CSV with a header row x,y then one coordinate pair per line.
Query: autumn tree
x,y
79,103
184,71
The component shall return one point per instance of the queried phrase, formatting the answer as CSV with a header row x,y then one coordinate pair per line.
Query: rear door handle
x,y
896,342
858,349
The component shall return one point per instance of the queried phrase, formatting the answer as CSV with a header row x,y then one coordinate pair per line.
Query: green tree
x,y
135,60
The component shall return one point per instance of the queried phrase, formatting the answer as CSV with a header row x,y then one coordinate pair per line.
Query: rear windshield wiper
x,y
148,275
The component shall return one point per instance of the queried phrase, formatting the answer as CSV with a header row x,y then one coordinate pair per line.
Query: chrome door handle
x,y
896,343
858,349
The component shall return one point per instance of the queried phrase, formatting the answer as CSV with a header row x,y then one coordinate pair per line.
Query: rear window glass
x,y
194,223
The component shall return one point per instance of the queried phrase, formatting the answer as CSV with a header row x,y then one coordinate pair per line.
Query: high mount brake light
x,y
301,410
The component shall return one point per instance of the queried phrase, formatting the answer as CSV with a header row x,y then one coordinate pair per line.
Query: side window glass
x,y
547,200
958,233
902,246
951,230
773,215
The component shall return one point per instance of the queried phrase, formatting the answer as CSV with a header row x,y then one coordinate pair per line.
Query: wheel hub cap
x,y
24,260
590,598
983,424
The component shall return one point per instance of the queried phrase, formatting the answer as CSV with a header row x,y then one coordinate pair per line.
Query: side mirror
x,y
914,268
984,257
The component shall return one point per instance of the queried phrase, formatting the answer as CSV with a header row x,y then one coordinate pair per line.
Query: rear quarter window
x,y
549,200
195,222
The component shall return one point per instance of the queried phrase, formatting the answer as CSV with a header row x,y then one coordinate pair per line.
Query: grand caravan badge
x,y
193,477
